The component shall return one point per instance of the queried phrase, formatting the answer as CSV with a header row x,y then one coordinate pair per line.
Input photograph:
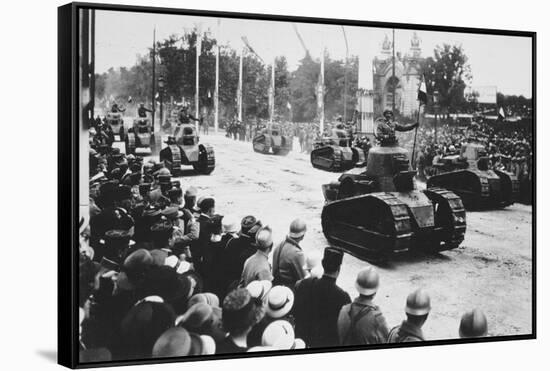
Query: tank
x,y
376,211
116,122
331,156
469,175
271,140
183,148
140,136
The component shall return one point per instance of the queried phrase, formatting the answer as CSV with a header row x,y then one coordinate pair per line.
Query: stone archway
x,y
391,83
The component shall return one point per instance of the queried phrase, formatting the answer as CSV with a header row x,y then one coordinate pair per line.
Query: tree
x,y
302,87
448,73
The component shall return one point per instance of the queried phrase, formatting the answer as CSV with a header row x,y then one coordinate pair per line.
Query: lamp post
x,y
161,93
436,112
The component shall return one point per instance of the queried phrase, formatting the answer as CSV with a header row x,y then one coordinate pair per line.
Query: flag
x,y
501,113
422,94
288,105
130,99
157,95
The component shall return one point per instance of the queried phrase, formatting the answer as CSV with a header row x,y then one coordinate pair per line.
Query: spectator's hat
x,y
204,297
279,334
191,192
259,289
249,226
230,224
297,228
172,213
118,237
279,301
178,342
144,323
151,211
332,258
199,318
367,281
135,266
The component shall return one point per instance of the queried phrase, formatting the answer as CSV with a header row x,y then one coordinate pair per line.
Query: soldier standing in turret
x,y
385,131
184,117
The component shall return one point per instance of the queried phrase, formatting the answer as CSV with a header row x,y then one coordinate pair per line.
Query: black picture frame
x,y
68,186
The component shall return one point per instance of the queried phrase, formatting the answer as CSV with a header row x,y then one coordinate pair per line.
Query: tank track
x,y
130,143
456,231
176,158
336,159
210,158
374,244
260,140
514,187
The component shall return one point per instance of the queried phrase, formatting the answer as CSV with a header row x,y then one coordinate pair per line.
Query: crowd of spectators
x,y
508,148
162,273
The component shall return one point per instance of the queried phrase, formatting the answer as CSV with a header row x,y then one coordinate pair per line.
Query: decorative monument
x,y
403,79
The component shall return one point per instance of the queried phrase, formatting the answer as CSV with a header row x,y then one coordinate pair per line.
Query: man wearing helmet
x,y
116,108
417,309
142,111
385,131
184,117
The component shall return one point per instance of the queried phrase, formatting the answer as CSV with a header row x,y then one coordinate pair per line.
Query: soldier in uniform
x,y
142,111
318,302
116,109
385,131
288,257
417,310
362,322
184,117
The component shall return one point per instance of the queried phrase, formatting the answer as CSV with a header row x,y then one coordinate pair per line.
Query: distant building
x,y
408,71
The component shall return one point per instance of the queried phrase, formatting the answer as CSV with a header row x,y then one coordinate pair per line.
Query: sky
x,y
501,61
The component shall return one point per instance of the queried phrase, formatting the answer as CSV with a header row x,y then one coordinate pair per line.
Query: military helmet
x,y
297,228
473,324
367,281
418,303
164,172
387,112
